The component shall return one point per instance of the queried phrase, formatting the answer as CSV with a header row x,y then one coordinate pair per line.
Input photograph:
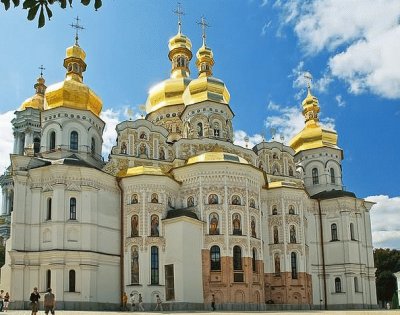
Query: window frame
x,y
154,266
72,208
215,258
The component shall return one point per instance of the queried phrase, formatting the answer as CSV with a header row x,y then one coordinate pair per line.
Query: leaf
x,y
29,4
32,12
97,4
63,4
85,2
42,20
6,4
16,3
48,11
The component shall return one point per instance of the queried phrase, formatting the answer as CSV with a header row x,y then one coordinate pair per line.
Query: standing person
x,y
159,304
140,305
213,302
34,298
133,304
49,302
1,300
6,301
124,301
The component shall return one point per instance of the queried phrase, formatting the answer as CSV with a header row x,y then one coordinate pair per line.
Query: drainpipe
x,y
321,232
121,243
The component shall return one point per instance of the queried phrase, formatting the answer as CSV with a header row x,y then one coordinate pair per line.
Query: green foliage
x,y
33,7
387,262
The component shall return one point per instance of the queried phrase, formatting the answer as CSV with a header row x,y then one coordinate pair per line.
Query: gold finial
x,y
77,28
203,24
41,68
179,12
307,75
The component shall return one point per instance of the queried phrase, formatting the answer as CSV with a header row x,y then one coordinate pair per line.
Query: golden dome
x,y
72,92
206,87
37,100
313,135
141,170
216,157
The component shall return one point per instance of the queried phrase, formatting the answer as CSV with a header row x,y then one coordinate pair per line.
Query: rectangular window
x,y
154,265
169,283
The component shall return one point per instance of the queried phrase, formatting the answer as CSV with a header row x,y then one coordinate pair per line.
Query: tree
x,y
45,6
387,262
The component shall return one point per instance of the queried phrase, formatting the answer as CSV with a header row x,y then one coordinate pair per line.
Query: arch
x,y
134,225
212,199
48,210
71,280
154,198
154,264
213,224
215,258
216,129
334,233
235,200
276,235
154,227
74,141
315,176
134,199
72,208
237,258
338,285
236,224
292,234
190,201
293,264
135,265
52,140
352,235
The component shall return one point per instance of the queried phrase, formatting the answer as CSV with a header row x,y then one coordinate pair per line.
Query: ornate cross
x,y
77,28
41,68
203,24
179,12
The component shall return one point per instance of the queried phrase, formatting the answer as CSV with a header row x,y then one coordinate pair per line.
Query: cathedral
x,y
178,210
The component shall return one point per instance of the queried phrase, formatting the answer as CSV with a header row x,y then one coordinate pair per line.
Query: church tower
x,y
317,156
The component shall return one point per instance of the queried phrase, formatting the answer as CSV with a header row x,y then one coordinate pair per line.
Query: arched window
x,y
290,171
216,129
48,278
274,210
73,141
154,231
292,232
276,235
93,146
356,284
252,203
134,265
36,145
334,232
254,262
52,145
237,258
338,285
134,226
154,265
48,213
154,198
72,209
200,129
190,202
72,280
236,200
315,178
237,229
213,199
277,264
291,210
253,227
293,263
134,199
333,179
214,220
352,231
215,258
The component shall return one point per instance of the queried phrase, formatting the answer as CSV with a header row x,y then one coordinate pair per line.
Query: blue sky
x,y
261,50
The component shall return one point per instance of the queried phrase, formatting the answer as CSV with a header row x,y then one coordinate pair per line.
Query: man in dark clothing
x,y
35,296
213,302
49,302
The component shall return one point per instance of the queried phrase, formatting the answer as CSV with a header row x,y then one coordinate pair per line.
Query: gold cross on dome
x,y
41,68
179,12
307,75
203,24
77,28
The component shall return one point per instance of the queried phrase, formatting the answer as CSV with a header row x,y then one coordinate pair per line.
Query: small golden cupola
x,y
205,87
313,135
72,92
37,100
169,92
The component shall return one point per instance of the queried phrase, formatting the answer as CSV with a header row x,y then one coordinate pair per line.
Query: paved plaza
x,y
352,312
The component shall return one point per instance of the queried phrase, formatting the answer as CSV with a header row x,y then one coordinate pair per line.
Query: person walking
x,y
1,300
213,302
49,302
34,298
159,304
133,303
6,301
140,304
124,301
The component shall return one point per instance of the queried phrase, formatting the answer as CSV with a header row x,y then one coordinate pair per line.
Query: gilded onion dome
x,y
206,87
313,135
72,92
37,100
169,92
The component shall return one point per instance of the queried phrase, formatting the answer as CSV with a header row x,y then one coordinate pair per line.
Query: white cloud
x,y
340,101
263,3
264,28
239,139
362,38
111,118
385,221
